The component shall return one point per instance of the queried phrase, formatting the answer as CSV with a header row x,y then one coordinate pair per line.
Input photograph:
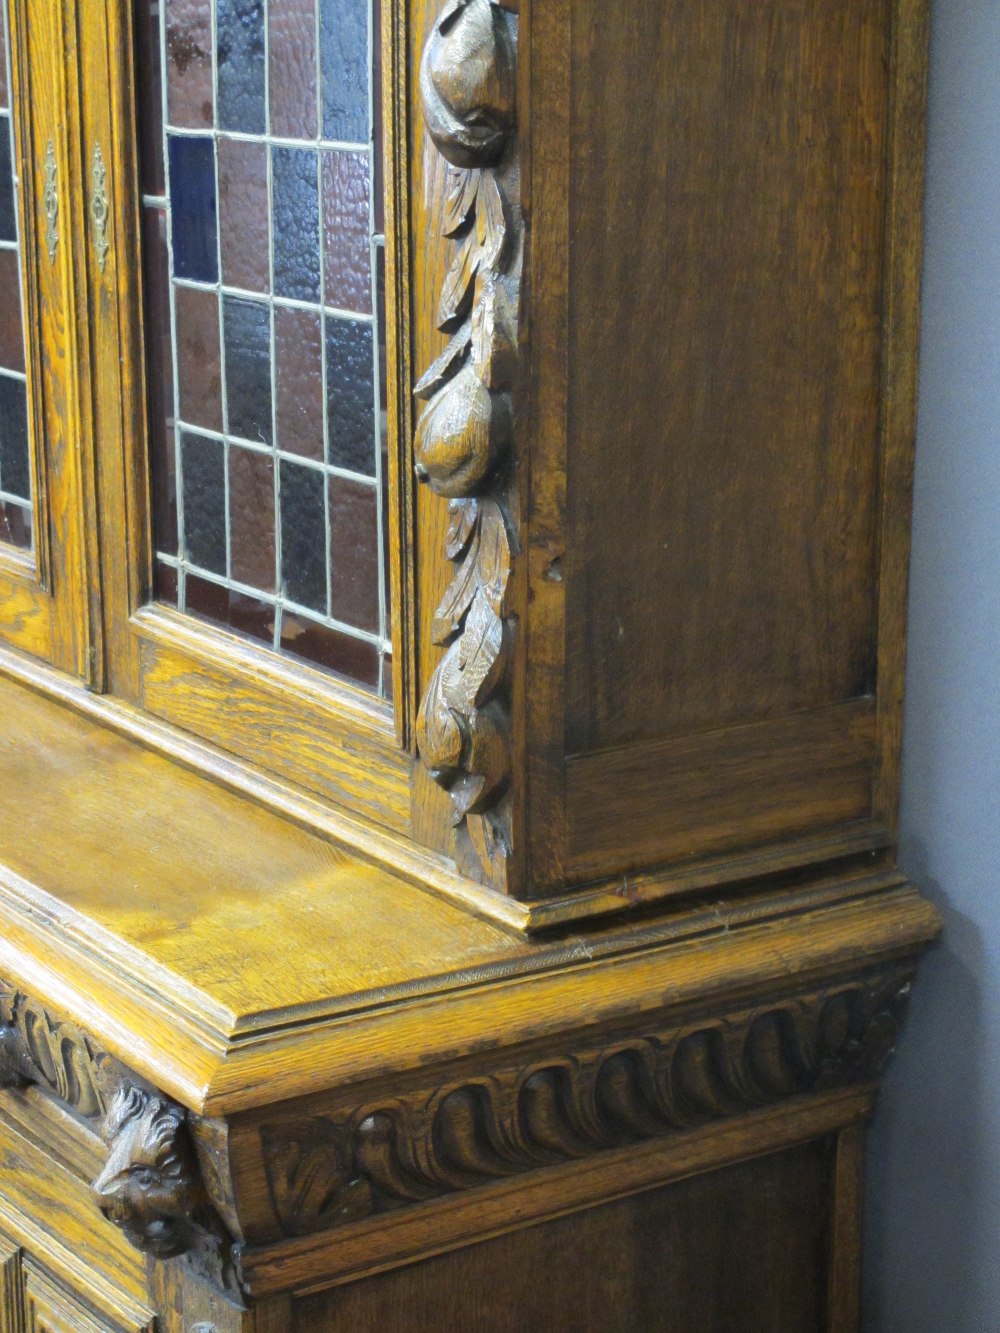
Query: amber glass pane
x,y
265,314
15,466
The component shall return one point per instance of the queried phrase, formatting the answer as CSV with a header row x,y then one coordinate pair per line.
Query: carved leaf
x,y
446,365
462,526
491,224
481,530
494,332
380,1152
460,198
457,600
489,843
462,1140
456,293
480,652
487,765
309,1175
439,736
494,562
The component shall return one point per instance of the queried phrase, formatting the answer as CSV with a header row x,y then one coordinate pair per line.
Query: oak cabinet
x,y
454,504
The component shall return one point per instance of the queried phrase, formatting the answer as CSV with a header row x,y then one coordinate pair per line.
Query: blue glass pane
x,y
344,38
15,470
8,216
241,67
350,371
203,466
247,342
296,223
303,535
193,207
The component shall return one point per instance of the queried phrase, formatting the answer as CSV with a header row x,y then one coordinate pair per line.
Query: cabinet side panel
x,y
726,307
738,1251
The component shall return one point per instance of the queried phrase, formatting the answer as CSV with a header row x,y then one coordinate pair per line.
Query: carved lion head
x,y
150,1187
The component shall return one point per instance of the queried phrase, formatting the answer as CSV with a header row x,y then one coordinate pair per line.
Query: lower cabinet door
x,y
32,1301
11,1306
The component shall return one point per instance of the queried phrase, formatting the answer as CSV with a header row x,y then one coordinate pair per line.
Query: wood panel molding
x,y
540,1112
464,438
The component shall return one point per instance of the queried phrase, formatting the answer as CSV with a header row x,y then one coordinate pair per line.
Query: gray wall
x,y
932,1259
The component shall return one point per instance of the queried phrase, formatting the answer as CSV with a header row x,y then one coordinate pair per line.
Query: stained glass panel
x,y
264,272
15,466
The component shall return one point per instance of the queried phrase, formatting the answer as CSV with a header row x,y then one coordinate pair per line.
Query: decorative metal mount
x,y
464,440
50,199
99,207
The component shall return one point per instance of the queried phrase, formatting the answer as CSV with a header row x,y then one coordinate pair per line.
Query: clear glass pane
x,y
264,269
15,467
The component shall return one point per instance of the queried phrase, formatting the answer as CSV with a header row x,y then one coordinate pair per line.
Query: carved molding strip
x,y
464,439
323,1171
151,1186
37,1048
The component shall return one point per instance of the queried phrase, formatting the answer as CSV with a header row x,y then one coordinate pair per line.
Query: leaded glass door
x,y
263,236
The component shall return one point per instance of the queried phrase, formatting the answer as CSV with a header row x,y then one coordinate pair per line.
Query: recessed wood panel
x,y
725,287
672,800
739,1251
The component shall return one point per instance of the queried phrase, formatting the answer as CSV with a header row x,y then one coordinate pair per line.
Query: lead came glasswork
x,y
242,93
193,210
15,464
246,331
296,223
203,472
243,224
350,390
270,240
346,70
188,40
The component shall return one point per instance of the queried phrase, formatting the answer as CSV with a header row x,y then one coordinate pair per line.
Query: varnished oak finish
x,y
554,992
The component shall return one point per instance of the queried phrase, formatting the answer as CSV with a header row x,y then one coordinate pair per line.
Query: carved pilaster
x,y
465,433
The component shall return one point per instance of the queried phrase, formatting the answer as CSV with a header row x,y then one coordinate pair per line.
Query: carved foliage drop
x,y
465,430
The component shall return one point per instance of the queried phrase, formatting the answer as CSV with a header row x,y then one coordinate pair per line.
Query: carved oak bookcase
x,y
454,498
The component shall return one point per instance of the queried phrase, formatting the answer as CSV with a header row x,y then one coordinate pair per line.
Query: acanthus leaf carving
x,y
544,1112
464,436
36,1047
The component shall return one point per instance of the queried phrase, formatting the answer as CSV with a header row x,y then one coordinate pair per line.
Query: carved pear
x,y
461,435
467,83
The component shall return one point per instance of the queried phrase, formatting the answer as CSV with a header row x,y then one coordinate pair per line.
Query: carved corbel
x,y
465,433
150,1187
